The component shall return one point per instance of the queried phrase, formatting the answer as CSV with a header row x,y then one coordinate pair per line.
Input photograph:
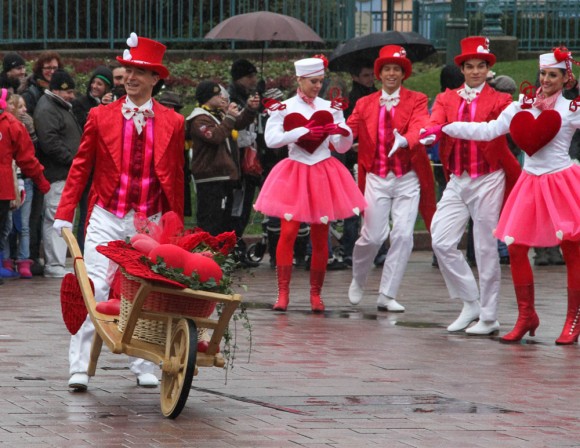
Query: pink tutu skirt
x,y
542,210
317,193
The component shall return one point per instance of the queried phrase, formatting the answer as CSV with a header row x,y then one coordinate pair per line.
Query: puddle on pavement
x,y
361,315
367,404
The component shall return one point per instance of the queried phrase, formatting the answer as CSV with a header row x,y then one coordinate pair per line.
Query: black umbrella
x,y
369,45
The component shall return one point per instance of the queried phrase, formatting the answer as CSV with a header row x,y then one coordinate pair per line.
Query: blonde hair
x,y
14,101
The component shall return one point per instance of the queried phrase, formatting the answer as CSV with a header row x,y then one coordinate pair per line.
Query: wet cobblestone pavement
x,y
352,377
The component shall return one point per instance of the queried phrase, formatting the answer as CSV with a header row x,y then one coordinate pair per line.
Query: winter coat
x,y
59,135
15,144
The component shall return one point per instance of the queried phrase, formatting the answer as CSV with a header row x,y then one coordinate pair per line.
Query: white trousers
x,y
103,228
387,198
54,246
480,198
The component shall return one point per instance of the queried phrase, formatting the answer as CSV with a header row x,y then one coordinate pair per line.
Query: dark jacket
x,y
59,136
32,92
83,104
356,93
215,155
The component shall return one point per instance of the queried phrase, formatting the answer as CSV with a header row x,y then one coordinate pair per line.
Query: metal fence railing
x,y
105,23
538,24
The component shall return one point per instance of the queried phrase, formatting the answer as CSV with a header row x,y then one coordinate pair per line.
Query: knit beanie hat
x,y
206,90
170,99
12,60
241,68
61,80
504,83
104,74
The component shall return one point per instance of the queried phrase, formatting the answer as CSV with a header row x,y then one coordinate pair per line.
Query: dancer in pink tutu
x,y
310,185
543,209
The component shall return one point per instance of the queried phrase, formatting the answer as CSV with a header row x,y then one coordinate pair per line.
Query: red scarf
x,y
544,102
306,99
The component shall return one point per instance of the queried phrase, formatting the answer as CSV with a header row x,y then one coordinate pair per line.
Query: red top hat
x,y
475,47
146,54
393,54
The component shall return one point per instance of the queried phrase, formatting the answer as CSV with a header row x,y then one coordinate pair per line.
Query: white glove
x,y
428,140
400,142
60,224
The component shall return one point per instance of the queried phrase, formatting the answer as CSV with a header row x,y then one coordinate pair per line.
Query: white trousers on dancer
x,y
387,198
480,198
103,228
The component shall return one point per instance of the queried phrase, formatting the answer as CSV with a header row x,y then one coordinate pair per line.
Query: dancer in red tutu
x,y
543,209
310,185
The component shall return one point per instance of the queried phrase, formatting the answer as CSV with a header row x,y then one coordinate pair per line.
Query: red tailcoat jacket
x,y
100,150
411,115
490,103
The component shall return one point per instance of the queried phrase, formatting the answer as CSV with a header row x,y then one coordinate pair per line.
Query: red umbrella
x,y
264,26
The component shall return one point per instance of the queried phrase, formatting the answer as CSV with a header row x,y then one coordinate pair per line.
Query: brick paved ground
x,y
348,378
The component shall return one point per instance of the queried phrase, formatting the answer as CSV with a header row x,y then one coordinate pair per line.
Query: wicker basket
x,y
152,330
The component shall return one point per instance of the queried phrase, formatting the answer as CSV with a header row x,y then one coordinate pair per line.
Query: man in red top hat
x,y
480,176
394,173
134,148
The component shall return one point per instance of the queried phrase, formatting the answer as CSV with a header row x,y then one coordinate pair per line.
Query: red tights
x,y
319,237
522,269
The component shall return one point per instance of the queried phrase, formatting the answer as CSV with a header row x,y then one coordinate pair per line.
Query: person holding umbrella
x,y
310,185
394,173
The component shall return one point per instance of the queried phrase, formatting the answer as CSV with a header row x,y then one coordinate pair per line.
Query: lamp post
x,y
456,29
492,19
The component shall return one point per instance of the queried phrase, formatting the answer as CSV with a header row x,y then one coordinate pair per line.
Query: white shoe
x,y
79,382
55,272
147,380
355,292
385,303
469,313
484,328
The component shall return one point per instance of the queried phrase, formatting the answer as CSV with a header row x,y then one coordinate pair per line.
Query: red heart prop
x,y
297,120
532,134
111,307
74,311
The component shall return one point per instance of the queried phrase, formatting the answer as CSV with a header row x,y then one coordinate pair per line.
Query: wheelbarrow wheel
x,y
179,368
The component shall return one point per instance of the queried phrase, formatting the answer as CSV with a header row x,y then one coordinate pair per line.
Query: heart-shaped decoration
x,y
532,134
288,217
356,211
297,120
324,220
508,240
560,235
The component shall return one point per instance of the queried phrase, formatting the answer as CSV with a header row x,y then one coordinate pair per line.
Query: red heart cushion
x,y
297,120
111,307
532,134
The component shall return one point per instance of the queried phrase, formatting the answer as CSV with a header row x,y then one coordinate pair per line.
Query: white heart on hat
x,y
133,40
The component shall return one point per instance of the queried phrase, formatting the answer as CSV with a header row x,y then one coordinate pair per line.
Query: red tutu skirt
x,y
542,210
319,193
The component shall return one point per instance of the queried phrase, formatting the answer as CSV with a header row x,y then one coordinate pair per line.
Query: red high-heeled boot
x,y
527,318
571,328
316,282
284,273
